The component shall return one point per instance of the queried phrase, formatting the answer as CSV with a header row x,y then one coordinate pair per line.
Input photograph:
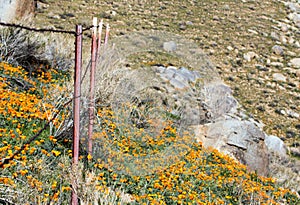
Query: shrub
x,y
31,50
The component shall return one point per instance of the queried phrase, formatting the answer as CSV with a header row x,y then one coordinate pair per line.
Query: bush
x,y
31,50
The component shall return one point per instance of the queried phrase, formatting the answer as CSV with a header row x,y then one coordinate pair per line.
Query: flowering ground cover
x,y
156,164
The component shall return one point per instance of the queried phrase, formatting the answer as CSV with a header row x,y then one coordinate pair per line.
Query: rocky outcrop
x,y
11,10
194,96
240,139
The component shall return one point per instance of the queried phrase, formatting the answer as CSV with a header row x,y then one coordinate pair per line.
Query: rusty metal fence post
x,y
76,109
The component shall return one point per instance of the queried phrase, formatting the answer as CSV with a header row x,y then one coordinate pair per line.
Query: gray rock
x,y
216,18
56,17
249,56
277,64
226,7
261,67
171,69
295,18
170,46
283,39
197,74
182,26
293,114
169,73
278,50
253,31
240,139
178,76
284,27
293,7
276,145
279,77
282,112
160,69
189,23
187,74
40,5
229,48
275,36
295,62
178,83
218,98
295,151
291,53
291,40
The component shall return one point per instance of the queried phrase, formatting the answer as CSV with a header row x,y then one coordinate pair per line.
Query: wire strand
x,y
43,30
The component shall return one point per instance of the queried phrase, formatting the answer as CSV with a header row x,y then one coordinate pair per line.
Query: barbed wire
x,y
43,30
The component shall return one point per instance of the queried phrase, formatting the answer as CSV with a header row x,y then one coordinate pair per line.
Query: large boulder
x,y
11,10
240,139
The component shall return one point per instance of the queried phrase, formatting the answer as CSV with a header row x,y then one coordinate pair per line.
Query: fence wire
x,y
43,30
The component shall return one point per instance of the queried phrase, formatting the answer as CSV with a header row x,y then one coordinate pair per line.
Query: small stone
x,y
275,36
226,7
182,27
229,48
70,15
249,56
291,53
261,67
284,27
290,134
282,112
296,18
56,17
276,64
40,5
295,62
291,40
170,46
293,7
216,18
189,23
295,151
231,78
278,50
279,77
211,52
213,43
253,31
283,39
113,13
292,114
